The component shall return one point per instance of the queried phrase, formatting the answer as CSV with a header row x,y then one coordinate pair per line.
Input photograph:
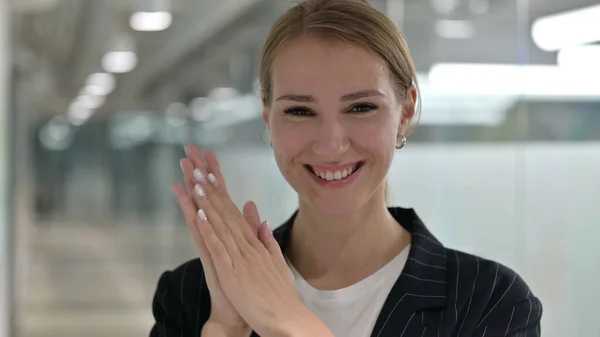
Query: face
x,y
334,121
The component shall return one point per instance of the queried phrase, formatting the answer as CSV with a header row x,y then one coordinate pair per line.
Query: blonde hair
x,y
350,21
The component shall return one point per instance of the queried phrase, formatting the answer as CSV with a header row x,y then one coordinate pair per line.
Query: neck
x,y
345,244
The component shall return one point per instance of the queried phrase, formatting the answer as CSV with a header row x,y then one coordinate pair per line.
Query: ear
x,y
408,110
265,113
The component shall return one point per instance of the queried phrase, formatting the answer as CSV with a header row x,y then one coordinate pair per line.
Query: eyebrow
x,y
347,97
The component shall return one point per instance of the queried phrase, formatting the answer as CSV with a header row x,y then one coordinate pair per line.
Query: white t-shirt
x,y
352,311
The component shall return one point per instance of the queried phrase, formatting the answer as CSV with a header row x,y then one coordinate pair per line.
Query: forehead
x,y
312,65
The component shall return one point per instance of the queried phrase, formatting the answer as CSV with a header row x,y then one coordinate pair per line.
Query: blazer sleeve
x,y
167,316
177,307
513,312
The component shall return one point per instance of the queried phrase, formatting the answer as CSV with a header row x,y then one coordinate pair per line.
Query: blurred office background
x,y
98,98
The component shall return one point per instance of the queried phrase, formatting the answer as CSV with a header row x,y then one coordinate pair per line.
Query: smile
x,y
334,174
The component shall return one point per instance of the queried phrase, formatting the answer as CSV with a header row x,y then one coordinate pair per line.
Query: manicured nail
x,y
201,214
186,151
213,180
181,164
269,227
199,176
199,191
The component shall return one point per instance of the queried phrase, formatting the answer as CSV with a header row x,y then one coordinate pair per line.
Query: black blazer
x,y
440,293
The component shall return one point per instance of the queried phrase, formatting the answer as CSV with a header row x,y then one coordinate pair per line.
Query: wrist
x,y
216,329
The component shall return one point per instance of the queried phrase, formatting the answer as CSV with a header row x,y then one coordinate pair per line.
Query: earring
x,y
269,140
400,142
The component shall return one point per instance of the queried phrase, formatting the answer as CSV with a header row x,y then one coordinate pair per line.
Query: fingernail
x,y
269,227
181,164
199,176
186,151
199,191
201,214
213,180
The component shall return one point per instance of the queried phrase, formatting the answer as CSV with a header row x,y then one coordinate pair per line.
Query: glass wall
x,y
504,162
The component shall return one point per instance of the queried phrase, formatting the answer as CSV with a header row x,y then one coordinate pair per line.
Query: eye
x,y
298,111
362,108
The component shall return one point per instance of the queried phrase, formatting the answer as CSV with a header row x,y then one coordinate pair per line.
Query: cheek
x,y
287,140
377,137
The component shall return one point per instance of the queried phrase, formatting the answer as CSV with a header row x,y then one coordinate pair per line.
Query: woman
x,y
339,93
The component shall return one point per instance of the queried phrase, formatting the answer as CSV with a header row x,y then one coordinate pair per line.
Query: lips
x,y
334,173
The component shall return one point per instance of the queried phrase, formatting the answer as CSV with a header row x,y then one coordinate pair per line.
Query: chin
x,y
337,201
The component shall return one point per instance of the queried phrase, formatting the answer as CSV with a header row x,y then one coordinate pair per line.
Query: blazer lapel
x,y
420,289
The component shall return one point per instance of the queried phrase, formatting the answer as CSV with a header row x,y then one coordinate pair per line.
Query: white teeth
x,y
335,175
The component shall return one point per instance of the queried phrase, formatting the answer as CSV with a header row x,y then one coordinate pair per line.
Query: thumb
x,y
265,235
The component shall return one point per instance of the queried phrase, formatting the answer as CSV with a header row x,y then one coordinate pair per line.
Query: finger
x,y
268,240
226,220
200,162
219,254
230,235
195,155
223,201
189,211
196,169
212,164
251,215
187,169
186,205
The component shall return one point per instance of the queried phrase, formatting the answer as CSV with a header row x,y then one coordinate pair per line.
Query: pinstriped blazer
x,y
440,293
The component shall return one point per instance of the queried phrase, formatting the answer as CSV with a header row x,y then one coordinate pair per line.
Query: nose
x,y
331,140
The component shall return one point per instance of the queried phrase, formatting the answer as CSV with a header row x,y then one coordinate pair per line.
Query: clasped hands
x,y
251,286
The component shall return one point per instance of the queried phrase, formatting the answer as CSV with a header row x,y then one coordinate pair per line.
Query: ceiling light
x,y
176,114
90,102
200,108
444,6
455,29
570,28
223,93
511,79
119,61
78,114
150,21
582,58
100,84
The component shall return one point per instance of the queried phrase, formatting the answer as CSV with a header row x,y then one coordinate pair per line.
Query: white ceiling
x,y
60,42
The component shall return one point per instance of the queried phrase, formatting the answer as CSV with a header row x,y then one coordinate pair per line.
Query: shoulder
x,y
179,283
493,278
181,302
490,293
183,274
